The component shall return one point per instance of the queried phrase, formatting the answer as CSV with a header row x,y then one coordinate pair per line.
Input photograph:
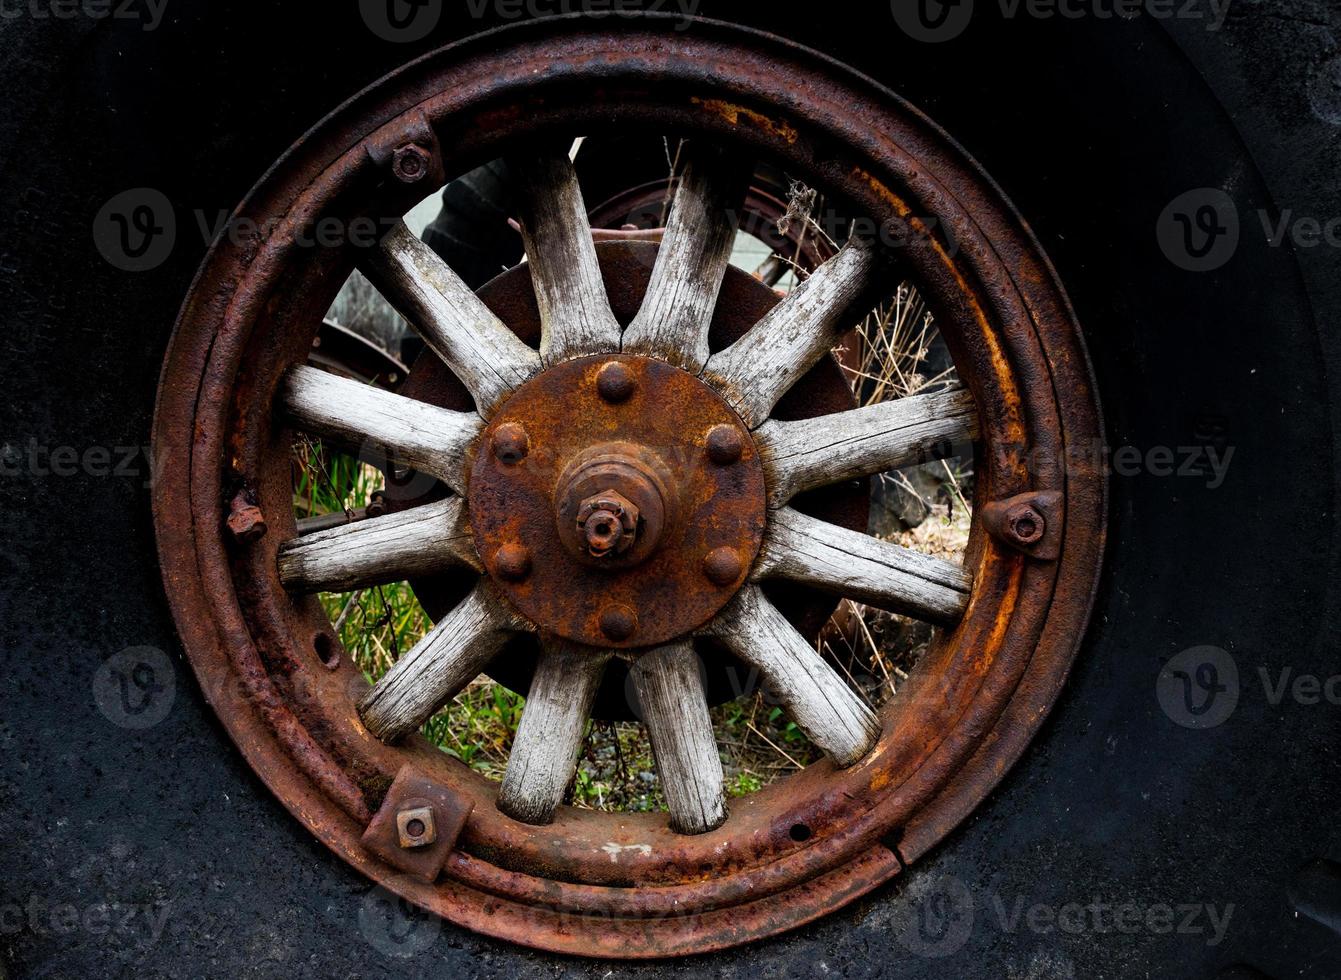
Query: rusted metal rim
x,y
798,849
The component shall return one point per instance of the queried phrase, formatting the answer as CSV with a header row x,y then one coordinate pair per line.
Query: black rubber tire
x,y
1092,128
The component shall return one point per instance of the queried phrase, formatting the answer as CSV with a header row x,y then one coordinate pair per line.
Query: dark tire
x,y
1092,129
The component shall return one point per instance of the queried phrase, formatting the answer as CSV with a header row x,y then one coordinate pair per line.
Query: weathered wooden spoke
x,y
453,653
482,352
819,701
800,456
675,710
757,370
692,262
425,540
372,421
855,565
549,737
575,314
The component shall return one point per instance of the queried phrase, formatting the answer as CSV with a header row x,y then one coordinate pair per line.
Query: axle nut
x,y
511,443
723,567
512,562
618,622
615,383
410,163
726,444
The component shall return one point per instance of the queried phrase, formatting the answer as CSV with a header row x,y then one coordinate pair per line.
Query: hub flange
x,y
618,502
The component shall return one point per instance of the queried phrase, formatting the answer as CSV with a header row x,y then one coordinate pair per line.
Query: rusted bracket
x,y
411,152
418,825
1031,523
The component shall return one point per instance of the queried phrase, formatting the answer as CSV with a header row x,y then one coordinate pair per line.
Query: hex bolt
x,y
512,562
618,622
1026,525
726,444
245,520
723,567
615,383
511,443
416,827
410,163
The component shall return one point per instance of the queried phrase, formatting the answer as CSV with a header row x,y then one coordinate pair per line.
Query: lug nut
x,y
415,827
512,562
511,443
618,623
615,382
726,444
410,163
1027,525
723,567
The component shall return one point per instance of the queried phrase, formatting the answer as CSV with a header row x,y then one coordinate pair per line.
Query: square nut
x,y
416,827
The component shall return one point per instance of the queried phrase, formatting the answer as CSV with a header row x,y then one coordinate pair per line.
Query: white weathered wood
x,y
375,422
692,261
425,540
575,315
453,654
675,710
757,370
549,736
800,456
818,700
488,357
855,565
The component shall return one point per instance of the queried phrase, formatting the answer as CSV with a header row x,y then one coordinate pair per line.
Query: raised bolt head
x,y
726,444
609,523
245,520
618,622
410,163
512,562
511,443
615,382
415,827
1026,525
723,567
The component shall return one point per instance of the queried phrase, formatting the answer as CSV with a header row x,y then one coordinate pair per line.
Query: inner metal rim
x,y
200,532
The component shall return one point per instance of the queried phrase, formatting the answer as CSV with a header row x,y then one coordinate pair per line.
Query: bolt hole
x,y
800,833
415,828
326,651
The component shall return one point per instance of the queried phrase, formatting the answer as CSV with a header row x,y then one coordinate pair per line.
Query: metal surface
x,y
680,506
625,885
417,825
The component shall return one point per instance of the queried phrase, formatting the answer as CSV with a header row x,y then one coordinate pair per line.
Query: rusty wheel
x,y
607,471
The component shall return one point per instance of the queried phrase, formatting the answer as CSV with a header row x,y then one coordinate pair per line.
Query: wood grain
x,y
374,422
453,654
549,737
575,315
675,709
425,540
481,351
802,549
818,700
800,456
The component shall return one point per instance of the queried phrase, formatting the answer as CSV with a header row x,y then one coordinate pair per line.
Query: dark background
x,y
1091,128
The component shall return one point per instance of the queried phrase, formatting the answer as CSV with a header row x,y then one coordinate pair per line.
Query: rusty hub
x,y
620,502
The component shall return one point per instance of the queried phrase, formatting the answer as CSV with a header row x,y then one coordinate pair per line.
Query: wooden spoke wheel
x,y
611,472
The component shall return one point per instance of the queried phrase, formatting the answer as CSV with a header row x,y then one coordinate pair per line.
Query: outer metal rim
x,y
980,695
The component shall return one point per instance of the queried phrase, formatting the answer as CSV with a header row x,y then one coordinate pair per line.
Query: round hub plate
x,y
659,425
